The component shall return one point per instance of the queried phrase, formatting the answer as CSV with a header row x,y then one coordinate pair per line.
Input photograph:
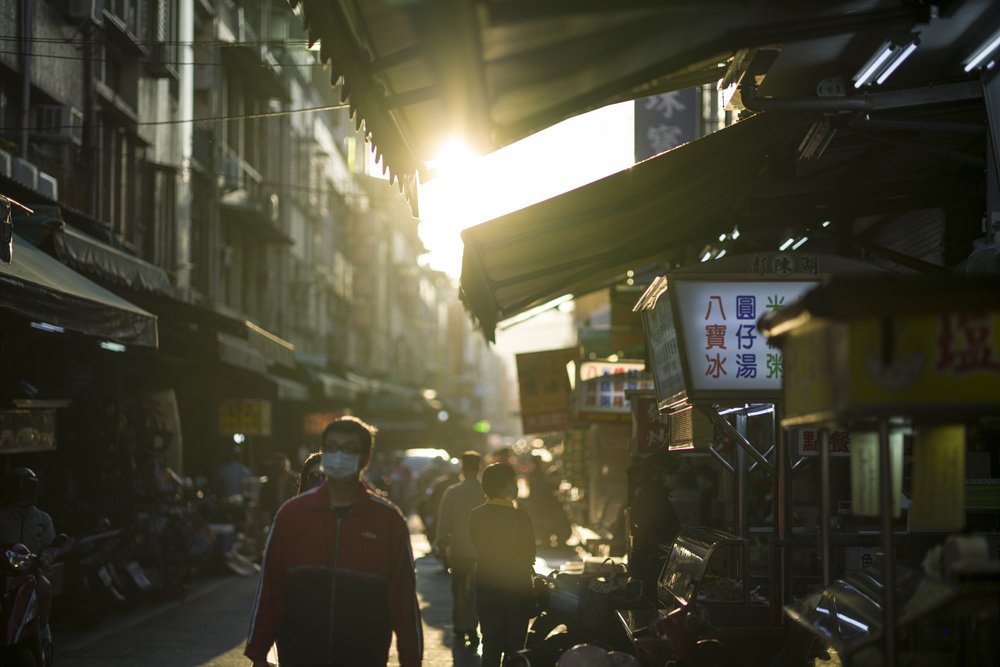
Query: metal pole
x,y
722,460
742,485
767,454
779,504
889,590
721,423
743,505
824,503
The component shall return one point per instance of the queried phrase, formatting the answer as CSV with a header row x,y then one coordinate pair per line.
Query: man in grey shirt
x,y
454,546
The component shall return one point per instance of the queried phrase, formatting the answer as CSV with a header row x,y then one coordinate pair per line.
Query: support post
x,y
888,564
824,503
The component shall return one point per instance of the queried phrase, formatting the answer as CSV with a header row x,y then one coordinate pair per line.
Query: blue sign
x,y
666,121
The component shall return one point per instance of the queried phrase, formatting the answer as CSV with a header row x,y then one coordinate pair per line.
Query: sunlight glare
x,y
560,158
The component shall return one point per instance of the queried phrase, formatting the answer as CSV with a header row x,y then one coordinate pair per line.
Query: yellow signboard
x,y
248,416
942,362
544,388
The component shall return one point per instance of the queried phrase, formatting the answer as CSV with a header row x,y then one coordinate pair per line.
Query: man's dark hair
x,y
471,463
351,425
496,478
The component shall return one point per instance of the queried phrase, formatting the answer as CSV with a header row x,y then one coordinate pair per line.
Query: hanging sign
x,y
661,341
806,441
27,431
602,386
544,389
724,350
866,494
650,427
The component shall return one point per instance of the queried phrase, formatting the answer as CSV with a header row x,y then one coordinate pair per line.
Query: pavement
x,y
207,628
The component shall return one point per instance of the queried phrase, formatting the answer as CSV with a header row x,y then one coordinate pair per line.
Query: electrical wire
x,y
208,42
168,62
206,119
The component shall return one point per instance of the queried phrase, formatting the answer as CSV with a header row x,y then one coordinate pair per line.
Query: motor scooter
x,y
576,609
22,640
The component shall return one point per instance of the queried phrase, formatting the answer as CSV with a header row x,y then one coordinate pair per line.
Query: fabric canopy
x,y
39,287
86,253
587,238
492,72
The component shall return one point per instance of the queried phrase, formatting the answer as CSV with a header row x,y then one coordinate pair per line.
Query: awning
x,y
39,287
493,72
587,238
89,255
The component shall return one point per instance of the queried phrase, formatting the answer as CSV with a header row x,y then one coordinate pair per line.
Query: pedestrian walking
x,y
338,577
453,545
504,541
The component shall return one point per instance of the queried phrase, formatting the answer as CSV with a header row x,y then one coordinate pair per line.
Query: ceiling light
x,y
784,246
736,233
985,50
817,138
896,62
45,326
722,253
826,223
707,256
800,242
886,60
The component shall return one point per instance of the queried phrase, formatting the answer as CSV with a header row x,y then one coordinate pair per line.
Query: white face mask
x,y
339,465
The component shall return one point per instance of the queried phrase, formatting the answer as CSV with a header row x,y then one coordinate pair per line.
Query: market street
x,y
209,628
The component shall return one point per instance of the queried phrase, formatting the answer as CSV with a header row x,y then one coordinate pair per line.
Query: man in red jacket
x,y
338,576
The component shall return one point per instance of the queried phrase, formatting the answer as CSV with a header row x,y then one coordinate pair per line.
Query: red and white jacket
x,y
336,583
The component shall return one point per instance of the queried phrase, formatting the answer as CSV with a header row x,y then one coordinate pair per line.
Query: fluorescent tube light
x,y
886,60
985,49
800,242
784,246
111,346
45,326
707,256
722,253
826,223
873,66
896,62
534,312
760,412
722,237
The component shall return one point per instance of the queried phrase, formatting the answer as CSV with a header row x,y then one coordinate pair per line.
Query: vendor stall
x,y
720,382
900,363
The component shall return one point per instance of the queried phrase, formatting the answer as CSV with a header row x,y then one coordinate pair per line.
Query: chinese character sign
x,y
808,442
665,121
664,350
602,387
544,389
651,428
723,347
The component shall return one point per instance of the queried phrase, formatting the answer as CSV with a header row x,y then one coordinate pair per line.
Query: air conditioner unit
x,y
87,10
60,122
48,185
25,173
5,163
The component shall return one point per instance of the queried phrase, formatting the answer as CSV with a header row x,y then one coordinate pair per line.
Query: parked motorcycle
x,y
24,642
577,609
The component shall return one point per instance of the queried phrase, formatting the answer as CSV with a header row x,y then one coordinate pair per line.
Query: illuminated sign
x,y
602,386
724,351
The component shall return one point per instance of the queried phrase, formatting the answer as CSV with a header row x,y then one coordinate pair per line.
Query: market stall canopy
x,y
86,254
39,287
494,72
587,238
